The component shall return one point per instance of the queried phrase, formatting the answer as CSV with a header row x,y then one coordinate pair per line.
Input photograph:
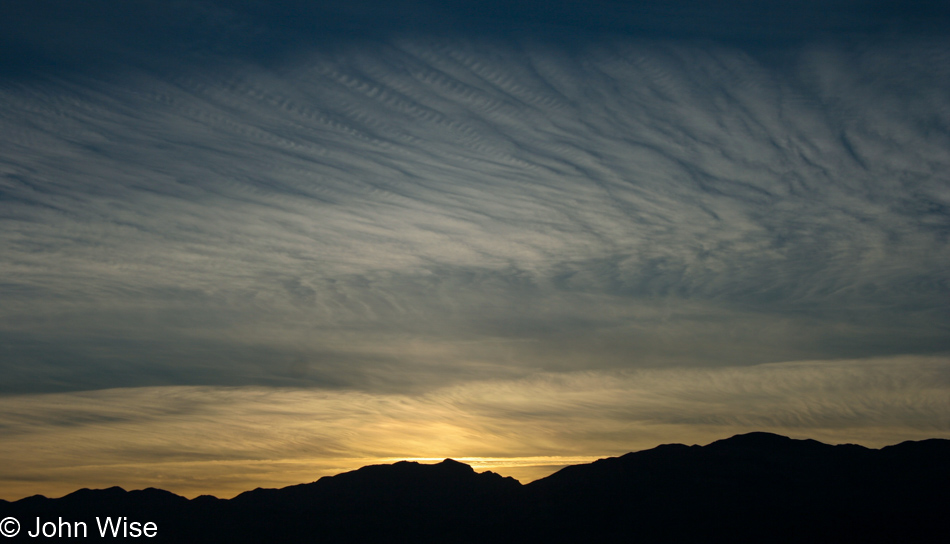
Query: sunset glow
x,y
250,246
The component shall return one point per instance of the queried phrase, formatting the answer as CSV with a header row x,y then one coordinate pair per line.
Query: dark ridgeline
x,y
756,487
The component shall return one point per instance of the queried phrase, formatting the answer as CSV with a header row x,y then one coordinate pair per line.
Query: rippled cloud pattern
x,y
410,214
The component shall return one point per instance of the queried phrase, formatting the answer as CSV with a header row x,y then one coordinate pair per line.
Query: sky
x,y
248,244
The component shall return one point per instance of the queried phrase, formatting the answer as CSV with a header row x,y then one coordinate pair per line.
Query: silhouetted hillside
x,y
756,487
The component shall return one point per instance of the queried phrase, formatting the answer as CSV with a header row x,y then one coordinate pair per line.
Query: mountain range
x,y
756,487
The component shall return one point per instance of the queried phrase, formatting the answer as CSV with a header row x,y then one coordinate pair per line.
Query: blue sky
x,y
315,236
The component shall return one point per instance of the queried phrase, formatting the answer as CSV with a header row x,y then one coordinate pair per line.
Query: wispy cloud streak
x,y
397,216
199,439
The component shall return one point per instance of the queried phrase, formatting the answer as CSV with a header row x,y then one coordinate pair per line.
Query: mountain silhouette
x,y
756,487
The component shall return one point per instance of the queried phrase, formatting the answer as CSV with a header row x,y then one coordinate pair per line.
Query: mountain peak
x,y
452,464
755,487
759,441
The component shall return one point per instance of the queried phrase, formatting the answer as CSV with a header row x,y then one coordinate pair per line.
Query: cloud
x,y
253,244
196,440
405,215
